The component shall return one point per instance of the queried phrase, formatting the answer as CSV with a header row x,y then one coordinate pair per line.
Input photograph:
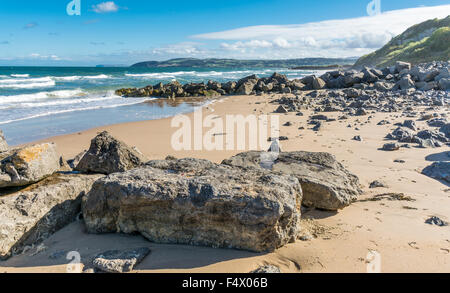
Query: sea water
x,y
40,102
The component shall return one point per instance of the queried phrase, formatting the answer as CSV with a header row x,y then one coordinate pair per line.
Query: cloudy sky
x,y
124,32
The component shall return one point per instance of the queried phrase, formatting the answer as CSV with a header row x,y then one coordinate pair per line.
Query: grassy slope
x,y
415,45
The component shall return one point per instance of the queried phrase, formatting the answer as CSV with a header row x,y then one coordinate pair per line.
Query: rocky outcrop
x,y
3,144
27,165
402,77
30,215
326,184
196,202
108,155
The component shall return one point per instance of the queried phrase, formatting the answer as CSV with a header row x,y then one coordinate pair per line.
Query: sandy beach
x,y
393,228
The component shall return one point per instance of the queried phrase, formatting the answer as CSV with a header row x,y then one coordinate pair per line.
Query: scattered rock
x,y
377,184
391,147
436,221
270,269
118,261
281,110
108,155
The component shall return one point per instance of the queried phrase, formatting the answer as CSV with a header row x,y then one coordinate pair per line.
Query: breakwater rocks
x,y
402,76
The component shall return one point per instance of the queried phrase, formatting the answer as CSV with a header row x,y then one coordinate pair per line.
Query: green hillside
x,y
224,63
424,42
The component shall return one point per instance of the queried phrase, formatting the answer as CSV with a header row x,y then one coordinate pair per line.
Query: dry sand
x,y
393,228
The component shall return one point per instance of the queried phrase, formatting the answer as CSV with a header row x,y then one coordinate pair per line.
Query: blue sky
x,y
40,32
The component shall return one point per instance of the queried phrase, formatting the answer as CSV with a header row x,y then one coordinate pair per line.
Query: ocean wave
x,y
20,75
40,96
69,102
78,77
23,80
32,85
49,113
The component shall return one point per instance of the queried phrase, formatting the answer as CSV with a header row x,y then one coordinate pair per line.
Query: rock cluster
x,y
196,202
426,138
402,76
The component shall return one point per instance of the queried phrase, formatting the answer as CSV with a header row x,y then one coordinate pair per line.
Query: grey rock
x,y
326,184
377,184
400,66
108,155
197,202
445,130
30,215
444,84
270,269
406,83
391,147
281,110
436,221
73,163
118,261
410,124
27,165
318,83
439,171
403,134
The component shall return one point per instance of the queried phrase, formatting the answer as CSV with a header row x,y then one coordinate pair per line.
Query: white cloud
x,y
346,37
44,57
105,7
180,49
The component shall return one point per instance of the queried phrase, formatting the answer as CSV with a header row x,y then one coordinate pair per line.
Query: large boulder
x,y
3,144
326,184
30,215
27,165
108,155
196,202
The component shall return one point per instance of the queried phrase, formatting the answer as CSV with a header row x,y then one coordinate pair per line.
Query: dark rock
x,y
436,221
439,171
391,147
377,184
108,155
